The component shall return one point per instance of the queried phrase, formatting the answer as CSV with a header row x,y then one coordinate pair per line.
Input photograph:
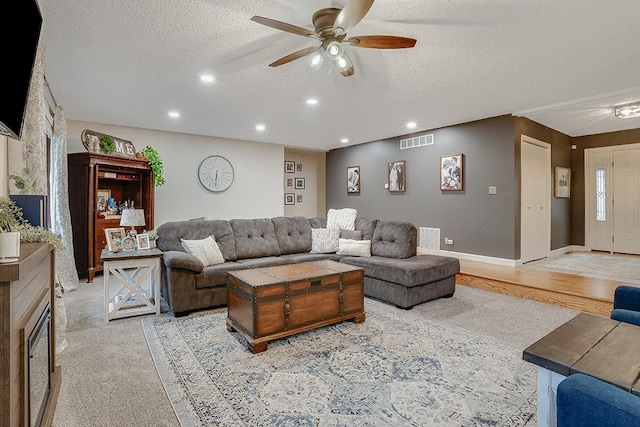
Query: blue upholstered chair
x,y
584,401
626,304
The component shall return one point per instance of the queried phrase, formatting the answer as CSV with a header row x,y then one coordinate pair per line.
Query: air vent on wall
x,y
429,238
416,141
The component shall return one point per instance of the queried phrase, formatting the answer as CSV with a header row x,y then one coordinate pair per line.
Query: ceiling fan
x,y
331,25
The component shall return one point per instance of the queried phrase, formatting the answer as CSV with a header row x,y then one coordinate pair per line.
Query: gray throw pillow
x,y
351,234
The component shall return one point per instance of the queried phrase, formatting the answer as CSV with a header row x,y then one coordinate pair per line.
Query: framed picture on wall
x,y
563,182
289,199
299,183
289,182
299,167
451,172
289,166
353,179
397,176
299,198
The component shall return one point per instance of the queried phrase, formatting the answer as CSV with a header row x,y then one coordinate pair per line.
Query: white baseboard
x,y
469,257
498,261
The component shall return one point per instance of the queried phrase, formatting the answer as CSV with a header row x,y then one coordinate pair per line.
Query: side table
x,y
138,276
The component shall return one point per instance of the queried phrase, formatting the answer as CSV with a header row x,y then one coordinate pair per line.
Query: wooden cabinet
x,y
28,373
91,176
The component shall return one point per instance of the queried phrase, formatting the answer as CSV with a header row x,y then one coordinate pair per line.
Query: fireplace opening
x,y
39,367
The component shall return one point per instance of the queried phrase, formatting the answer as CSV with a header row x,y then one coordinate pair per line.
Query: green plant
x,y
11,220
153,234
107,144
155,162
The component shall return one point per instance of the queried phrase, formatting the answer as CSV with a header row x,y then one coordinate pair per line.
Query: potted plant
x,y
152,156
153,236
13,227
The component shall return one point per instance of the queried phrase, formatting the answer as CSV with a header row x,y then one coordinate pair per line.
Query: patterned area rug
x,y
395,369
625,268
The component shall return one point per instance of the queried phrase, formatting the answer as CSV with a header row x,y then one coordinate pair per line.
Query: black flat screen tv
x,y
18,56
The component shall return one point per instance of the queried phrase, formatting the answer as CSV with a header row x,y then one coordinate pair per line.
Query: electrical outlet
x,y
448,241
493,190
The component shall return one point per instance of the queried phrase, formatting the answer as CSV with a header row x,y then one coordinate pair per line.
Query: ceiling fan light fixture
x,y
344,62
628,111
335,50
315,61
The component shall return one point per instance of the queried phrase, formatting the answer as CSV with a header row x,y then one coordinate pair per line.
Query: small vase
x,y
9,246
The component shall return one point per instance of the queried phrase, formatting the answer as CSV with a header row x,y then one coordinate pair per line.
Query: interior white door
x,y
626,201
535,181
598,200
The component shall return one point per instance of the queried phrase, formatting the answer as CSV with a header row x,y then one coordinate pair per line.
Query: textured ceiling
x,y
562,63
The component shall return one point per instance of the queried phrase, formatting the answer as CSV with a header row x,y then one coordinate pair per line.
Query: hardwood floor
x,y
587,294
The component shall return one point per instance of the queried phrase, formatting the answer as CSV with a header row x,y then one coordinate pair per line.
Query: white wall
x,y
257,190
313,195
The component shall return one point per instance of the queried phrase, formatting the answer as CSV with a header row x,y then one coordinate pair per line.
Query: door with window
x,y
613,199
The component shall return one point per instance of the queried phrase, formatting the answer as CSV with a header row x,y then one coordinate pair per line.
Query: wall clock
x,y
215,173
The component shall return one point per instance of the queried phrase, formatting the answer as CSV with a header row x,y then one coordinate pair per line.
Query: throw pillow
x,y
206,250
352,234
354,247
343,219
324,240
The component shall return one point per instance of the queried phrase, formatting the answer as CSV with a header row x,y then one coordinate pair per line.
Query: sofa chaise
x,y
393,272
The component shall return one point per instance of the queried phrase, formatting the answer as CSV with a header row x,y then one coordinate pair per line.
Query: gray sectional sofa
x,y
393,272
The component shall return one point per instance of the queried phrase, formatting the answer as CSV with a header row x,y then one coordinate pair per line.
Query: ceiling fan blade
x,y
283,26
381,42
352,13
348,72
295,55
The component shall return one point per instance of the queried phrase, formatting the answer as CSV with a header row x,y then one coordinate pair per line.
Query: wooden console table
x,y
26,299
593,345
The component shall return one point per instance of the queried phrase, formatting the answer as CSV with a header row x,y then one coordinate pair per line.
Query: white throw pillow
x,y
324,240
344,218
354,247
206,250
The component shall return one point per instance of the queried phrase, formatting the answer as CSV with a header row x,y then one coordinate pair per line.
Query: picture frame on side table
x,y
289,199
353,179
397,176
289,166
563,182
451,172
299,184
143,241
114,237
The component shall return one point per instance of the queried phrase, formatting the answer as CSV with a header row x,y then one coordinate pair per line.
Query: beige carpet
x,y
109,378
625,268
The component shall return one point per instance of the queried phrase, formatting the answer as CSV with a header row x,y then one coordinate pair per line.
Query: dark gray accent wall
x,y
478,223
578,197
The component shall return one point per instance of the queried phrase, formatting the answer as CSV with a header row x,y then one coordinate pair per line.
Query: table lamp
x,y
133,218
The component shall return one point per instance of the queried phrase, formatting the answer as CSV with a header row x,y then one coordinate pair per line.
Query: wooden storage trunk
x,y
275,302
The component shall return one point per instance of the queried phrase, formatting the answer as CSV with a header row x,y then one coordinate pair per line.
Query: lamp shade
x,y
132,217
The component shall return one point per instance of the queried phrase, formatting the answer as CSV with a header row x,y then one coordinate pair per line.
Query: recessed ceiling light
x,y
312,101
174,114
411,125
344,140
260,127
207,78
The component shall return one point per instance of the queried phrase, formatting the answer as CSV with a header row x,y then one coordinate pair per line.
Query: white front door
x,y
535,184
612,199
626,200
